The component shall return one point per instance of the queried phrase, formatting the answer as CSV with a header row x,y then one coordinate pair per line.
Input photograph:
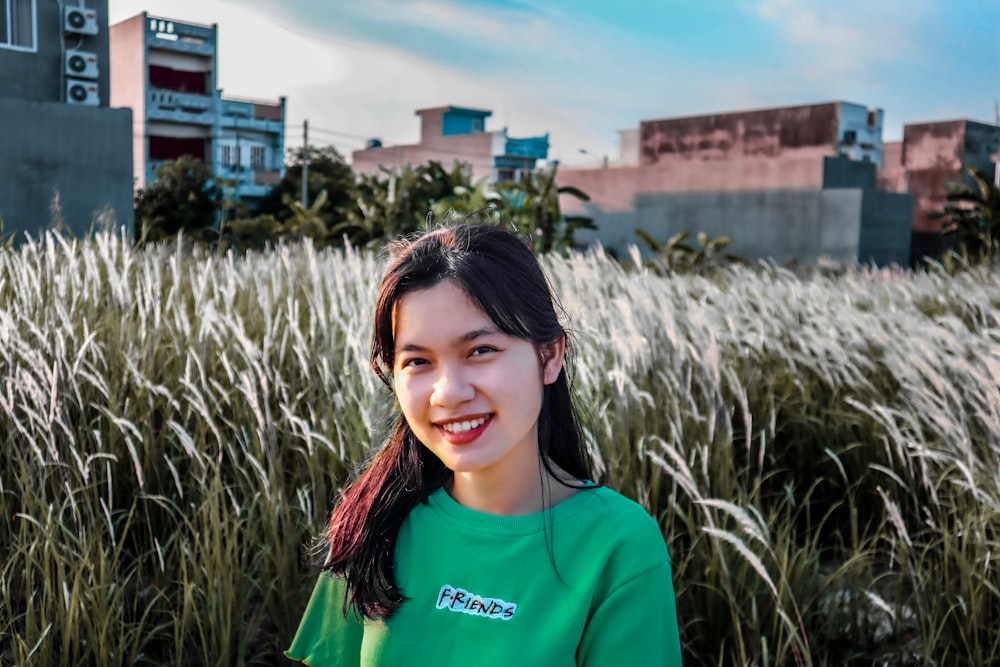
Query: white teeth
x,y
462,427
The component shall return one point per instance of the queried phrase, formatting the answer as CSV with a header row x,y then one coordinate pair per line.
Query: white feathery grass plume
x,y
749,556
751,526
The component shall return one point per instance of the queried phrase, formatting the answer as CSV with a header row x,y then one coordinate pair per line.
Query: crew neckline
x,y
524,524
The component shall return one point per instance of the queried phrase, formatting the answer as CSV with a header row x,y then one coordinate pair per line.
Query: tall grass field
x,y
822,454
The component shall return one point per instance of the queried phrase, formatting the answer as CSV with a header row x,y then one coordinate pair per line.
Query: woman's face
x,y
470,393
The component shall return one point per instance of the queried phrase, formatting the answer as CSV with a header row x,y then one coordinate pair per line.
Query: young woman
x,y
475,535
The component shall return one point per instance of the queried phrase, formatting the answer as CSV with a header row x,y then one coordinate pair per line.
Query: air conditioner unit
x,y
82,92
81,64
80,20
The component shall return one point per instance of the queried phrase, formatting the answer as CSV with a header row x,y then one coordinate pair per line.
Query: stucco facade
x,y
930,155
451,133
61,145
166,71
765,177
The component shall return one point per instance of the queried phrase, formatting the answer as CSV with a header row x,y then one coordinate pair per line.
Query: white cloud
x,y
840,42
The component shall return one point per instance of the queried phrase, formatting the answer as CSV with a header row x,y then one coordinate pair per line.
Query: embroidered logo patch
x,y
462,601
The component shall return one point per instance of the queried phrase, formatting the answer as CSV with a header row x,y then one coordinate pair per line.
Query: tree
x,y
397,201
532,204
972,216
184,196
675,256
327,173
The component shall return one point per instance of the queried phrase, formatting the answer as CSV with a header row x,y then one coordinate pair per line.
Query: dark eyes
x,y
477,351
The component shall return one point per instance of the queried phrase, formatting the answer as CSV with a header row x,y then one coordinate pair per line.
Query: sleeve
x,y
636,624
325,638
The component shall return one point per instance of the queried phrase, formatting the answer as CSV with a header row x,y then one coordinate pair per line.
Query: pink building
x,y
824,147
930,155
792,184
745,150
457,133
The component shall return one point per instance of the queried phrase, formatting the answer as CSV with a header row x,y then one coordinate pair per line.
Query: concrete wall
x,y
37,75
765,133
615,188
128,90
475,149
886,221
81,153
891,175
787,226
932,154
628,148
841,172
981,149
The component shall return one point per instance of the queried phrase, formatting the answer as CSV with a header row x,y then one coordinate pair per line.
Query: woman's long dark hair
x,y
503,277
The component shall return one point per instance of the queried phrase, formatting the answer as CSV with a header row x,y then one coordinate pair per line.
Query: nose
x,y
452,387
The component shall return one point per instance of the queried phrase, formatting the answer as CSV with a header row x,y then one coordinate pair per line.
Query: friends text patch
x,y
462,601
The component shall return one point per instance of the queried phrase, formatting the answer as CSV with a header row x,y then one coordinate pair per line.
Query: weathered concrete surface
x,y
891,175
786,226
935,153
475,148
886,220
932,154
128,62
766,133
81,154
37,76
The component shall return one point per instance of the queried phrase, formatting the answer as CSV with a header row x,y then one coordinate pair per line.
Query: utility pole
x,y
305,163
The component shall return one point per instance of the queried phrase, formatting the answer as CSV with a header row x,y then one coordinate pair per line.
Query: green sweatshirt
x,y
482,590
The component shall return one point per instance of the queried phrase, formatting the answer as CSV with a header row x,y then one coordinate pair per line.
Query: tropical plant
x,y
328,172
675,256
532,205
183,197
971,216
395,202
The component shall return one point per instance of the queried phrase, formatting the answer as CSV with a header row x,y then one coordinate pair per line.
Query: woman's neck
x,y
528,493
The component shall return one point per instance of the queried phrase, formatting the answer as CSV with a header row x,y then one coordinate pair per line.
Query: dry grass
x,y
823,454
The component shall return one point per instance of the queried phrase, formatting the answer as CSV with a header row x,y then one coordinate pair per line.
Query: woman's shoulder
x,y
618,521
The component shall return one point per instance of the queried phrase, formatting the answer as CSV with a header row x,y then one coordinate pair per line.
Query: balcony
x,y
177,107
248,115
245,123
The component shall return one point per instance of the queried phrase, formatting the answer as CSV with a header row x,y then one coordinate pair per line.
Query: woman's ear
x,y
552,356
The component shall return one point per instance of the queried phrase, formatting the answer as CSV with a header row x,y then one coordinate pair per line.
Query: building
x,y
64,153
930,155
165,71
792,184
456,133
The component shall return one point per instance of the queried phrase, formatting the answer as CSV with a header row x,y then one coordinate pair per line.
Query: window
x,y
166,78
17,24
230,156
257,158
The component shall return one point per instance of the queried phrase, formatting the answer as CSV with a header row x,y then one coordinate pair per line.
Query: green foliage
x,y
366,210
398,201
674,256
820,454
532,205
328,172
184,197
972,218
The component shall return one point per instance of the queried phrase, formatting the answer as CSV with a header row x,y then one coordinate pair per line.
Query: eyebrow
x,y
464,338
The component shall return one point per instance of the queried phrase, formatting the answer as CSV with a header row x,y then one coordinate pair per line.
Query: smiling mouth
x,y
460,427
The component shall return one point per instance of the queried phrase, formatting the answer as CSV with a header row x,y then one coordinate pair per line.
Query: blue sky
x,y
582,69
